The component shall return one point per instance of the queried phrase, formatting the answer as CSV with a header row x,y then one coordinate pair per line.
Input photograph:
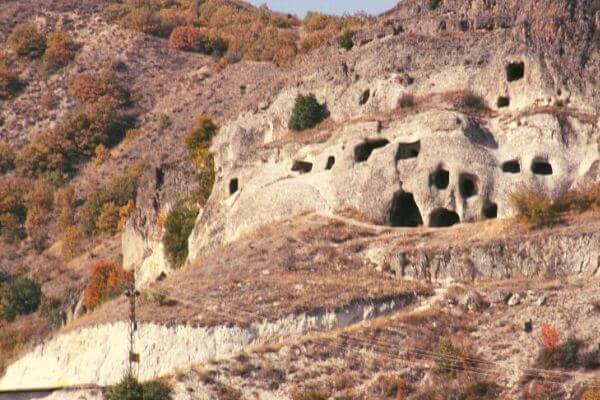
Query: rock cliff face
x,y
446,157
436,116
160,189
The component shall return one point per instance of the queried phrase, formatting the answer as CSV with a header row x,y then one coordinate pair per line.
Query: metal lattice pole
x,y
133,357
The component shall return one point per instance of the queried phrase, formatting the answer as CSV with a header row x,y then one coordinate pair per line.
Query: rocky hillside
x,y
333,207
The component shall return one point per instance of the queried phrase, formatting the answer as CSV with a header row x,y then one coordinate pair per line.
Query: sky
x,y
300,7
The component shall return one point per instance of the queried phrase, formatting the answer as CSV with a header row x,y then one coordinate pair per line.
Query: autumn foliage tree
x,y
60,51
107,280
90,88
201,40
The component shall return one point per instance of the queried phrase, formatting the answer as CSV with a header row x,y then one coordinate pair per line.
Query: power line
x,y
486,368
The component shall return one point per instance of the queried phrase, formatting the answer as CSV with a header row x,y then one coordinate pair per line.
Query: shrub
x,y
534,207
592,392
579,200
538,209
102,154
107,280
114,12
89,88
471,101
21,297
591,359
7,157
178,227
60,51
309,395
141,19
71,242
26,40
130,389
205,162
407,100
13,210
50,308
165,122
198,141
200,136
168,19
10,84
346,40
121,191
447,356
433,4
568,353
64,204
39,206
564,356
307,113
201,40
313,40
390,386
549,336
74,139
108,220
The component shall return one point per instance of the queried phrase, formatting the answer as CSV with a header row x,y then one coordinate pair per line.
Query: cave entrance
x,y
490,211
302,166
511,167
443,218
440,179
363,151
233,186
364,97
515,71
541,167
330,162
467,185
404,211
503,102
408,150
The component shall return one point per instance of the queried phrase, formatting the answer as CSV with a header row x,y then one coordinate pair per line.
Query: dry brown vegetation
x,y
10,84
233,29
60,51
538,209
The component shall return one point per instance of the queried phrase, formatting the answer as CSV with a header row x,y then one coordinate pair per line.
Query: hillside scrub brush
x,y
60,51
27,41
307,113
10,84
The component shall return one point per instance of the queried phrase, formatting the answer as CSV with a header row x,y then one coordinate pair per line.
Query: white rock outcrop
x,y
98,354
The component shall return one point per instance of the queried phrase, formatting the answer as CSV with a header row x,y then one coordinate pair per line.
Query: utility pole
x,y
134,357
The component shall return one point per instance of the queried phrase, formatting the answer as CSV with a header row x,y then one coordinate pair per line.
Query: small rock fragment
x,y
514,300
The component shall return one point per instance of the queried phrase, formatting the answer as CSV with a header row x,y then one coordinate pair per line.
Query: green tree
x,y
307,113
346,40
21,297
178,227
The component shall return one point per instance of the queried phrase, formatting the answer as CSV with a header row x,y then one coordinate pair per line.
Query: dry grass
x,y
270,276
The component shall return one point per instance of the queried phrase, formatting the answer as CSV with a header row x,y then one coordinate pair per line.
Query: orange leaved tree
x,y
107,280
